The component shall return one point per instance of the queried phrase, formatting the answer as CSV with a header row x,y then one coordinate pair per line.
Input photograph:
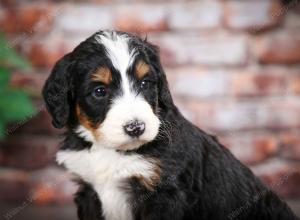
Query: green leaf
x,y
4,78
15,106
2,130
9,57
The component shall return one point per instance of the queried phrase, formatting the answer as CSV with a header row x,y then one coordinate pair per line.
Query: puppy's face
x,y
117,95
114,91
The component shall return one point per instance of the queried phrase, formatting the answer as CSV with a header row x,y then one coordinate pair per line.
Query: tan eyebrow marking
x,y
141,69
103,74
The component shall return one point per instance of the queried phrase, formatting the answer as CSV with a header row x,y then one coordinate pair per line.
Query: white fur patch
x,y
106,169
125,108
118,51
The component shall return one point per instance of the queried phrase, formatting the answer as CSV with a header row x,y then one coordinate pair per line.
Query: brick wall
x,y
233,68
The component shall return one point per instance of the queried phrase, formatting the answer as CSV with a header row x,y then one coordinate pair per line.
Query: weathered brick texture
x,y
233,68
252,15
197,15
203,49
28,18
141,18
290,142
251,148
282,48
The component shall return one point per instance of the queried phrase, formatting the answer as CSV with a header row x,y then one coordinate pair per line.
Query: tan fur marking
x,y
85,122
103,75
153,181
141,69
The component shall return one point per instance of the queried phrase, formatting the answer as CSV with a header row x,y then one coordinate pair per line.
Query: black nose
x,y
134,128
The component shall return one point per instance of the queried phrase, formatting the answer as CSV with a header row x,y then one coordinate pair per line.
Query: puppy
x,y
134,154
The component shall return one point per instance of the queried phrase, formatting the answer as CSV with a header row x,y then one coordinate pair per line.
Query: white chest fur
x,y
105,170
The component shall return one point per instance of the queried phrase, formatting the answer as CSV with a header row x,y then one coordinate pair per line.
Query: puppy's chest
x,y
108,171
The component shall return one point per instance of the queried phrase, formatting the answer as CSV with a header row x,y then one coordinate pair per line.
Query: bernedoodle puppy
x,y
135,156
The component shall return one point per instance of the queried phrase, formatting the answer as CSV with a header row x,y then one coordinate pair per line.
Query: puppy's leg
x,y
88,203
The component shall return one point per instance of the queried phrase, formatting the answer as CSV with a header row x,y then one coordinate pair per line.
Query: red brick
x,y
84,18
197,82
264,82
252,15
290,143
250,148
141,18
282,114
44,52
230,115
281,176
286,51
28,151
40,56
29,19
196,15
200,83
204,49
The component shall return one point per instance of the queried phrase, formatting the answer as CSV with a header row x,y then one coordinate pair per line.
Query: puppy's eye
x,y
99,92
145,84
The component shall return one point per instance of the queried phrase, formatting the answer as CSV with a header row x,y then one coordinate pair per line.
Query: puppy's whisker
x,y
166,131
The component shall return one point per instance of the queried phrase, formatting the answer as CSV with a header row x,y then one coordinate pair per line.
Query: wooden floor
x,y
33,212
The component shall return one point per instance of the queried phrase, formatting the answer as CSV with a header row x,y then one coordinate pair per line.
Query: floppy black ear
x,y
164,96
56,92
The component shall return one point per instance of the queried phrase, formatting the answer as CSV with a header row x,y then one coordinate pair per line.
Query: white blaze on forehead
x,y
126,107
117,49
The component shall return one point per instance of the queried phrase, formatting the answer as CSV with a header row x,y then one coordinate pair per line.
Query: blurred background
x,y
233,68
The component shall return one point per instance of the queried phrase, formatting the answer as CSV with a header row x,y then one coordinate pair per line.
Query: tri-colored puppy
x,y
135,155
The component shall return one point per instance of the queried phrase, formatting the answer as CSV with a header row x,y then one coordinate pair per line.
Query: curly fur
x,y
196,177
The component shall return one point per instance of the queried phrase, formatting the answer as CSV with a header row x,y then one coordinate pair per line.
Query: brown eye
x,y
145,84
99,92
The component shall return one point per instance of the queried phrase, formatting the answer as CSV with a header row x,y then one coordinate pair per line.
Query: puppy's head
x,y
111,90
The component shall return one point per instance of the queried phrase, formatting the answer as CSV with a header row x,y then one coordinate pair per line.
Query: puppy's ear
x,y
56,92
164,96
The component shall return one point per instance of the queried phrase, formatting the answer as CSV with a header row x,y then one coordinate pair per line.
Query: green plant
x,y
15,104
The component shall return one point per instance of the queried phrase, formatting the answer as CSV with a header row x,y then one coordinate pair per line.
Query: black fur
x,y
56,92
200,179
88,204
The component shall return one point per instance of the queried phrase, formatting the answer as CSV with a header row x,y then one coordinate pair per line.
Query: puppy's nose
x,y
134,128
